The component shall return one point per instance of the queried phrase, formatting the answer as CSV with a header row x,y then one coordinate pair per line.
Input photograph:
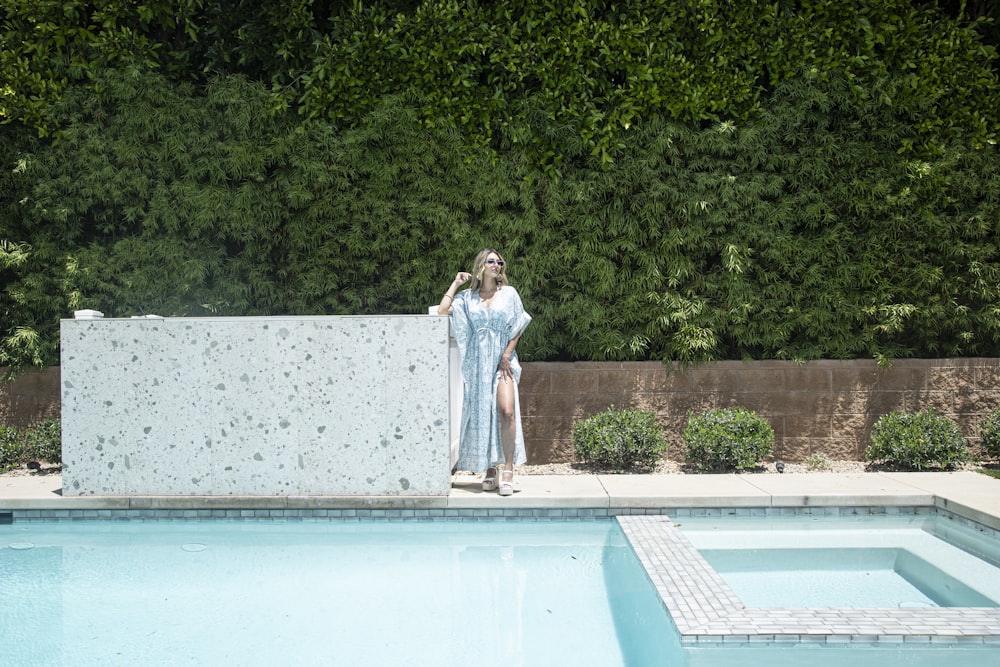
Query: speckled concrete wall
x,y
256,406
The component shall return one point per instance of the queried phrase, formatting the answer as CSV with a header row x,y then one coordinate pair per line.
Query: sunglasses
x,y
498,262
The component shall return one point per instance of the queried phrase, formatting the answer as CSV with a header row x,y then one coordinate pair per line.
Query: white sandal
x,y
507,483
490,479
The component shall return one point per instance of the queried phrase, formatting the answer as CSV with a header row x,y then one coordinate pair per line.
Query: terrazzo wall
x,y
256,406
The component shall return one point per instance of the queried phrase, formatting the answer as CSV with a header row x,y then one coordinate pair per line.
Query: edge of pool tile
x,y
971,513
968,494
287,502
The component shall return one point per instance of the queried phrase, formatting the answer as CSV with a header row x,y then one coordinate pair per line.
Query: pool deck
x,y
703,607
968,494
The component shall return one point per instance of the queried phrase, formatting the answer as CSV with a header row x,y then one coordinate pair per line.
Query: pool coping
x,y
968,494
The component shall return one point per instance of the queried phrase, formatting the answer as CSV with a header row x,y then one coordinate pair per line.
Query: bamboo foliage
x,y
596,68
804,234
824,244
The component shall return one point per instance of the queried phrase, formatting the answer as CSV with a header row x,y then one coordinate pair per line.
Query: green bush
x,y
619,439
916,441
734,233
990,429
44,441
728,439
11,448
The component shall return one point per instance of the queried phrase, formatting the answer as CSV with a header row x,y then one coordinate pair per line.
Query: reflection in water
x,y
517,593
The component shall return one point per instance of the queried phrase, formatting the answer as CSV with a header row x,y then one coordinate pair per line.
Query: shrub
x,y
44,441
619,439
917,441
11,448
990,429
818,461
728,439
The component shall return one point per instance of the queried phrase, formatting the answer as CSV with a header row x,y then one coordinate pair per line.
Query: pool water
x,y
860,578
883,562
265,593
417,593
851,561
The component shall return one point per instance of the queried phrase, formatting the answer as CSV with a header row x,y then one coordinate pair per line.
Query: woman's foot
x,y
506,482
490,479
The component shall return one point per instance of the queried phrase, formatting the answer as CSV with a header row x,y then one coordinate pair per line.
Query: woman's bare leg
x,y
505,414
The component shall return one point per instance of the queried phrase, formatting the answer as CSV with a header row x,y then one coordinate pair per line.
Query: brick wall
x,y
33,396
818,407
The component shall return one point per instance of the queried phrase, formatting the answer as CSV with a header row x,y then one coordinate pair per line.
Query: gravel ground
x,y
45,469
665,467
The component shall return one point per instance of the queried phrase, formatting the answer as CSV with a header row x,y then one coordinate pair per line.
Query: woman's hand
x,y
504,368
444,308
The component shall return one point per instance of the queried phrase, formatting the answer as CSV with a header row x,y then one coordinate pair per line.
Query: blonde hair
x,y
479,265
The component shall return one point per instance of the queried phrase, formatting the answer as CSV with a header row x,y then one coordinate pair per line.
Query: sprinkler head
x,y
780,465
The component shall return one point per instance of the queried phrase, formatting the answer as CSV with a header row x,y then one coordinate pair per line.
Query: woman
x,y
487,320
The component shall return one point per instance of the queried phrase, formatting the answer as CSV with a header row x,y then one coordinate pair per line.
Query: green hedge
x,y
620,439
671,180
727,439
41,443
595,68
802,235
917,441
990,431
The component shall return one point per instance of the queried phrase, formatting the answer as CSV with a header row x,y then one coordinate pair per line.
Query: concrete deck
x,y
968,494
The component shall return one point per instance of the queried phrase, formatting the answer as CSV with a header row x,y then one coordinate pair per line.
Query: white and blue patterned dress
x,y
483,334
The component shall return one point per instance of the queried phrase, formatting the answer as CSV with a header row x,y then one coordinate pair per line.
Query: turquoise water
x,y
262,593
874,578
873,562
378,593
853,561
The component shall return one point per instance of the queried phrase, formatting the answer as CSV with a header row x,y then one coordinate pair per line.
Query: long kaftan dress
x,y
483,334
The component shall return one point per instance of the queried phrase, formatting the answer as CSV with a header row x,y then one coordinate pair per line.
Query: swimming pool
x,y
371,593
270,593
